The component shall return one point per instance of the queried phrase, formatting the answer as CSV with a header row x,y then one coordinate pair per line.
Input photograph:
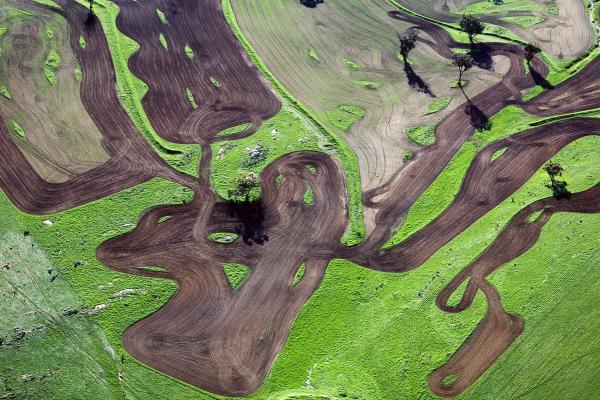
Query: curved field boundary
x,y
225,341
122,48
559,69
516,238
228,88
356,229
447,26
222,340
132,161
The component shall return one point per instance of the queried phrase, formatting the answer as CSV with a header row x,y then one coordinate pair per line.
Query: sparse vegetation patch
x,y
439,104
422,135
17,129
163,41
344,116
4,91
191,99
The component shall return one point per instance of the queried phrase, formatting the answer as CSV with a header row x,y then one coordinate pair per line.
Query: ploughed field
x,y
385,250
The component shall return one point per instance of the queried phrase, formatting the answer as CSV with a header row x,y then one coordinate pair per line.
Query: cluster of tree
x,y
473,27
464,62
408,41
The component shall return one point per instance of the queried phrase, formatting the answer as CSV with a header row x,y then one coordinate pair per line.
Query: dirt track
x,y
243,95
225,341
132,159
233,337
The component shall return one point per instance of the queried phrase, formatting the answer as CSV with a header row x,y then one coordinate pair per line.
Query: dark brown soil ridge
x,y
228,89
132,159
221,340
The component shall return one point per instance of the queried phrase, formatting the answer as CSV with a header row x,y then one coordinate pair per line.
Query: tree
x,y
251,214
553,169
463,62
408,42
244,186
472,25
91,6
530,51
559,187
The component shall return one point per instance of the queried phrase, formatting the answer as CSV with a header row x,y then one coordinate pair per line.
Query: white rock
x,y
47,222
98,308
124,293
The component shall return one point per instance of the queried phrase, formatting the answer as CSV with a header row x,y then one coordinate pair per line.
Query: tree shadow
x,y
252,217
539,79
415,80
311,3
482,56
91,20
559,189
478,119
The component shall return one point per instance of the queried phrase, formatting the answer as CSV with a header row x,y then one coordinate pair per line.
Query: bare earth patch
x,y
60,139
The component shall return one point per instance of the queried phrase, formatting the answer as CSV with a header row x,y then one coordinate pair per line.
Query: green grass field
x,y
278,136
363,348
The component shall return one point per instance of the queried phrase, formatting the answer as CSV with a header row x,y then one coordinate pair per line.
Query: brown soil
x,y
232,337
243,95
225,341
401,99
61,140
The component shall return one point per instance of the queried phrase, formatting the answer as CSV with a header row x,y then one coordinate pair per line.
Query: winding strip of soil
x,y
487,183
241,95
566,34
499,329
132,159
394,198
579,93
232,338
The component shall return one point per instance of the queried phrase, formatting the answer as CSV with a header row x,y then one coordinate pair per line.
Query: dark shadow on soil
x,y
415,80
478,119
91,20
559,190
540,80
252,217
311,3
482,58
